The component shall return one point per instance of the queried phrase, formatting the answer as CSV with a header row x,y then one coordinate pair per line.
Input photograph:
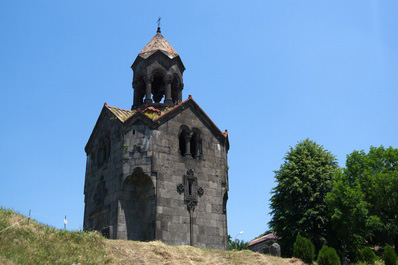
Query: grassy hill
x,y
40,244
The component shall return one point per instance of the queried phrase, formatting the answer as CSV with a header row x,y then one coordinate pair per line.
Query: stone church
x,y
158,171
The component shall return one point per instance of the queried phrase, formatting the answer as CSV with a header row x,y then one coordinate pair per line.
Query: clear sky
x,y
271,72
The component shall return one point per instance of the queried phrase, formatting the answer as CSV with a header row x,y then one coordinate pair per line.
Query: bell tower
x,y
157,78
160,170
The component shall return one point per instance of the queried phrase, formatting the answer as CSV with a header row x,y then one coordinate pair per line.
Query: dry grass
x,y
40,244
5,261
156,252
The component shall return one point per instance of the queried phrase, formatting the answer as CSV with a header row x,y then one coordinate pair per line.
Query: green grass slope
x,y
40,244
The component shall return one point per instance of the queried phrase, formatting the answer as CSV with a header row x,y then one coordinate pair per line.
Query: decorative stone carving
x,y
200,191
191,193
191,205
180,188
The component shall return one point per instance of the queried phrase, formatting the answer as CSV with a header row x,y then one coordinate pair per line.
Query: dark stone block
x,y
275,250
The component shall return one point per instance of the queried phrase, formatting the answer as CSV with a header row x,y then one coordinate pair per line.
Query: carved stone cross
x,y
191,192
190,189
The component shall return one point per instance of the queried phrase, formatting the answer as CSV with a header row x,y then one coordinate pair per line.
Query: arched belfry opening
x,y
158,71
139,204
176,89
158,88
139,90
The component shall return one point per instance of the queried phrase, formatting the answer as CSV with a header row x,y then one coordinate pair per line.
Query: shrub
x,y
237,244
367,255
328,256
390,258
304,249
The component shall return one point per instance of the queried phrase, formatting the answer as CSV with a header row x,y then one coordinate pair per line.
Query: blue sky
x,y
271,72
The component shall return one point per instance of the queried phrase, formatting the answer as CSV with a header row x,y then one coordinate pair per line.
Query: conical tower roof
x,y
158,43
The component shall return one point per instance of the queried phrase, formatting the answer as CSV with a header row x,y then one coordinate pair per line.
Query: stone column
x,y
148,89
187,139
168,101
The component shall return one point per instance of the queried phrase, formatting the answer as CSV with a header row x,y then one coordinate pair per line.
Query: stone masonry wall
x,y
172,221
136,154
141,154
102,181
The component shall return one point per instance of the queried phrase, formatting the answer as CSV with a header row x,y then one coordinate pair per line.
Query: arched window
x,y
184,141
225,199
104,150
196,144
190,143
181,144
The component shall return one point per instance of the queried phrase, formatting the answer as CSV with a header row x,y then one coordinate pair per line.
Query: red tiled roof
x,y
263,238
153,109
156,114
121,114
158,43
151,112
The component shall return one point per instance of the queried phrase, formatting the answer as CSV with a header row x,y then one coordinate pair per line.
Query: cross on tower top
x,y
158,31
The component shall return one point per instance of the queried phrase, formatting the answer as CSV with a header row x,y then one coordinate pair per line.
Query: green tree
x,y
377,174
298,201
351,223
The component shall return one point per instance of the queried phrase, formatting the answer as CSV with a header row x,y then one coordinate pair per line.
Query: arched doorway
x,y
139,205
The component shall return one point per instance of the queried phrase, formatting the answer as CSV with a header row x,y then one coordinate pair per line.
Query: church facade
x,y
158,171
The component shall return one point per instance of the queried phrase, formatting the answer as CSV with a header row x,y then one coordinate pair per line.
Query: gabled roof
x,y
271,236
155,117
158,43
121,114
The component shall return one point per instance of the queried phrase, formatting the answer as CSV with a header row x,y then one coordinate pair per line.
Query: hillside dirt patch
x,y
156,252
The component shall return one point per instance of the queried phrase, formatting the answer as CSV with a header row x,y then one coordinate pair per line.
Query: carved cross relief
x,y
191,193
191,190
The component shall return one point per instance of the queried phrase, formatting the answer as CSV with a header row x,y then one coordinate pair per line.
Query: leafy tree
x,y
298,201
351,223
304,249
377,174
